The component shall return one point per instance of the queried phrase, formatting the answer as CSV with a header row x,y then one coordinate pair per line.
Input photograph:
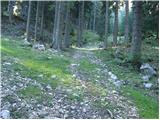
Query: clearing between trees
x,y
80,59
72,84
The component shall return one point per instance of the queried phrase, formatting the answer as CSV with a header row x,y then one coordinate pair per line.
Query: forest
x,y
95,59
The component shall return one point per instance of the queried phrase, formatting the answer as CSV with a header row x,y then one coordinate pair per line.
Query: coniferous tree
x,y
137,35
28,22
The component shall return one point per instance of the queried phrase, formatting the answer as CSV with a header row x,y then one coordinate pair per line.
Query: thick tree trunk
x,y
106,24
36,24
42,21
66,36
126,21
80,24
94,17
28,22
137,35
115,32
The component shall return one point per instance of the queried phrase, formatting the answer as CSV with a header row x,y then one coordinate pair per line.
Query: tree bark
x,y
62,27
55,21
126,21
42,21
10,10
67,30
80,24
115,32
36,24
94,17
137,29
57,26
106,24
28,22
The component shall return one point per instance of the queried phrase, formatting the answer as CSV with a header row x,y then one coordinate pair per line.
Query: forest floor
x,y
82,82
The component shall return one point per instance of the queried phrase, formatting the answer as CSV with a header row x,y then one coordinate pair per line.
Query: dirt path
x,y
95,95
118,105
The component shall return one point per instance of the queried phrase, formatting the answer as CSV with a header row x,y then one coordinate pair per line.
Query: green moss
x,y
87,66
148,107
31,92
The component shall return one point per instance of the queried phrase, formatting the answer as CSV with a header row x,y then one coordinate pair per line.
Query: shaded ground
x,y
79,88
79,83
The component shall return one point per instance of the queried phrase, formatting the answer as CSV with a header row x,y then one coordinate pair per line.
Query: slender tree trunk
x,y
28,21
37,15
55,21
106,24
80,24
66,36
115,32
94,17
57,32
10,10
42,21
137,35
126,21
62,27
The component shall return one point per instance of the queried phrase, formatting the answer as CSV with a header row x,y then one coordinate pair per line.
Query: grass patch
x,y
148,107
87,66
33,63
31,92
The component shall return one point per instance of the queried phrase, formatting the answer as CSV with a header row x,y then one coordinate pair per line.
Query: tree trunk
x,y
66,36
37,15
10,10
57,32
42,21
115,32
55,22
106,25
80,24
28,22
137,35
126,21
94,17
62,27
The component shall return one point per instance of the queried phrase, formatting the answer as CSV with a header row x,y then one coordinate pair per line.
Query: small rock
x,y
49,57
53,77
114,77
147,85
84,110
48,87
50,93
73,107
5,114
66,115
7,63
145,78
114,92
59,101
39,47
61,110
74,65
40,76
74,75
26,43
118,83
98,76
147,69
